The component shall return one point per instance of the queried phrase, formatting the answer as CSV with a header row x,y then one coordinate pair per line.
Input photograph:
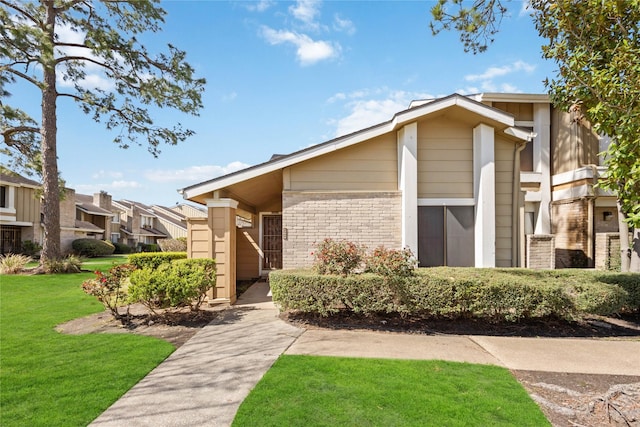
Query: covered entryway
x,y
446,236
272,242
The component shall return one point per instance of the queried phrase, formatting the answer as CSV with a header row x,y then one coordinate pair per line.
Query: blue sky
x,y
282,76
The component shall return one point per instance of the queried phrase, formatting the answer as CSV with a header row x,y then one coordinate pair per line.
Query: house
x,y
139,224
489,180
19,212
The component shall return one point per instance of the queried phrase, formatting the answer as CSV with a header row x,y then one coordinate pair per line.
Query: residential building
x,y
19,212
139,224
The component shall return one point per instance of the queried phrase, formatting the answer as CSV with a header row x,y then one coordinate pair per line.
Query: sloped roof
x,y
18,180
400,119
166,214
84,202
87,226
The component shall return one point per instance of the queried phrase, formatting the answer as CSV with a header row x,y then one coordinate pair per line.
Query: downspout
x,y
515,204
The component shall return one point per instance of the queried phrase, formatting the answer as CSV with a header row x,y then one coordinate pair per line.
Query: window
x,y
115,237
446,236
3,196
146,221
116,219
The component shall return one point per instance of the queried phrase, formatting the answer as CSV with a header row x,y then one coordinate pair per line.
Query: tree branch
x,y
21,75
21,11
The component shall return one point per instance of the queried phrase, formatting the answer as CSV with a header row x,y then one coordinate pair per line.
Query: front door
x,y
272,242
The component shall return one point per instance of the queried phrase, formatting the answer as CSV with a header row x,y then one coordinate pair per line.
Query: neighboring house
x,y
172,223
189,211
139,224
489,180
19,212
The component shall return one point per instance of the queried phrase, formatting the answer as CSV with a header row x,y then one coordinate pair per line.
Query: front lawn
x,y
51,379
331,391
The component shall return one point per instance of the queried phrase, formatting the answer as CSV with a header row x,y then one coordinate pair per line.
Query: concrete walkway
x,y
205,380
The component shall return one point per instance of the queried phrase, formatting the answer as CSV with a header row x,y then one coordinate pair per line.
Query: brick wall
x,y
570,224
607,251
540,252
606,219
371,219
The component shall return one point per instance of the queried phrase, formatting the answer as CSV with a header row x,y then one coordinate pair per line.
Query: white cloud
x,y
193,173
370,107
493,72
306,11
525,8
229,97
107,174
343,25
260,6
308,51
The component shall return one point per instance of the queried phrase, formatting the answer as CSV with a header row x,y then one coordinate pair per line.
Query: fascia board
x,y
400,119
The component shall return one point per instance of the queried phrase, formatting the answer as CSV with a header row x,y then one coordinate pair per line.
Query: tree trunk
x,y
51,186
634,262
623,228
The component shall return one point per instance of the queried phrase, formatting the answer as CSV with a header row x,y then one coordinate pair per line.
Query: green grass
x,y
331,391
52,379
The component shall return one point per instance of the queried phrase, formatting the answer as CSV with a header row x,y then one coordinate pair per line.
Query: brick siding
x,y
540,251
371,219
570,223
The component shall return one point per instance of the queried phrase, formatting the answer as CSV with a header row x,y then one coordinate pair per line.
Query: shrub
x,y
30,248
122,248
176,284
92,247
630,282
338,257
13,263
69,265
390,262
154,259
148,247
173,245
110,288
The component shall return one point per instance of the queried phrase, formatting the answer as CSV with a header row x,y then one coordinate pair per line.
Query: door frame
x,y
261,216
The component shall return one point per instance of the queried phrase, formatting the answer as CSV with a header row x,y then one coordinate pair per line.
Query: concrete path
x,y
205,380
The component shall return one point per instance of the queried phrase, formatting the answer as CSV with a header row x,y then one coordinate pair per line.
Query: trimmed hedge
x,y
92,247
494,294
122,248
154,259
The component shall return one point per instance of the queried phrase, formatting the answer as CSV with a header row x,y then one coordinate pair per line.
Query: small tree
x,y
53,45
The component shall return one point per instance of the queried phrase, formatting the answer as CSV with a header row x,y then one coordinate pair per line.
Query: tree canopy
x,y
89,52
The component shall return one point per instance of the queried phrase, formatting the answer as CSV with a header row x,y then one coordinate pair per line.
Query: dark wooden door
x,y
272,242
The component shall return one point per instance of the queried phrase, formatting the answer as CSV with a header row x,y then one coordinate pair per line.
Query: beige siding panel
x,y
371,165
445,159
504,196
247,253
27,206
520,110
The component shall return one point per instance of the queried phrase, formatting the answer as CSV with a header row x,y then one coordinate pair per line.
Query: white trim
x,y
533,196
584,190
447,202
585,172
408,181
606,202
512,97
525,123
9,211
542,164
484,192
16,223
398,120
522,134
222,203
529,177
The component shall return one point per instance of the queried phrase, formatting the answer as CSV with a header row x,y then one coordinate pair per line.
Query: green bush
x,y
180,283
30,248
154,259
110,288
630,282
122,248
148,247
69,265
92,247
13,263
492,294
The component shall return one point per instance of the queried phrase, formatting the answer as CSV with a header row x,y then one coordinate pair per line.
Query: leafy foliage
x,y
338,257
391,262
110,287
175,284
122,248
30,248
154,259
173,245
13,263
92,247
